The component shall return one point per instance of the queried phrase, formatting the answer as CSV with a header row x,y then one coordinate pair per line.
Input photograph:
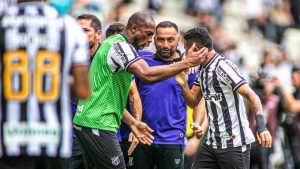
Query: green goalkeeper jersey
x,y
110,83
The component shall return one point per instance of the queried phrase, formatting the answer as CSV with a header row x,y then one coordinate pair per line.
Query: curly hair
x,y
200,36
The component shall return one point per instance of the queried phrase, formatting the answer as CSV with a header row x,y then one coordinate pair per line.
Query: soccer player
x,y
38,49
97,119
222,87
164,109
93,30
127,140
4,4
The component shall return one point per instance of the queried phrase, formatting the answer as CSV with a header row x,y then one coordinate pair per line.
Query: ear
x,y
99,34
196,48
134,28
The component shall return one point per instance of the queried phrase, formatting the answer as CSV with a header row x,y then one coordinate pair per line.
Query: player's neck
x,y
174,56
94,49
127,36
209,56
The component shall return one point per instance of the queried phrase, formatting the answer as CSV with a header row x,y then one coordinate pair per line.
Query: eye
x,y
171,40
150,33
86,30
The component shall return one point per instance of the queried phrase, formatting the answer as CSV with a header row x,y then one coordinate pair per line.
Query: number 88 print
x,y
46,64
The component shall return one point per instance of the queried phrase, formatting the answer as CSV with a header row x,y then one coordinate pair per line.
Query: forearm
x,y
255,104
128,119
159,73
135,105
257,110
189,97
204,124
199,112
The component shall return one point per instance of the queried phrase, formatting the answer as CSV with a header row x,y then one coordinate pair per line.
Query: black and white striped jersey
x,y
4,4
37,48
228,123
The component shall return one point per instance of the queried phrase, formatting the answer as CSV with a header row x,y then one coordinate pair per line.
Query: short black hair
x,y
114,28
200,36
96,23
296,69
140,19
167,24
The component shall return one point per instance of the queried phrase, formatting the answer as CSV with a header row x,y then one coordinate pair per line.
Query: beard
x,y
93,43
166,54
135,44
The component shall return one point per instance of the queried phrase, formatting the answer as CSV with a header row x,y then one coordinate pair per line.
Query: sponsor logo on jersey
x,y
224,75
213,97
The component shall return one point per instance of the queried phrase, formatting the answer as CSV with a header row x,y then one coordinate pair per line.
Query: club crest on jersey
x,y
130,161
115,160
80,108
213,97
225,136
177,161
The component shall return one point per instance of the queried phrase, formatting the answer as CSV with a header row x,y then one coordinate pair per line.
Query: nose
x,y
166,44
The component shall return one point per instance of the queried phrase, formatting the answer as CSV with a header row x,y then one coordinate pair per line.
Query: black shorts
x,y
32,163
100,148
229,158
161,156
76,160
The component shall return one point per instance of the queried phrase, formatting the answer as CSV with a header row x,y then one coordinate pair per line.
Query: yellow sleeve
x,y
189,131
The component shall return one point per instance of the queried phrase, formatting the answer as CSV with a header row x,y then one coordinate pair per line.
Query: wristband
x,y
260,124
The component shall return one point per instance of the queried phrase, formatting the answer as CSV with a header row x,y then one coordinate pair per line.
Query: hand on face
x,y
196,56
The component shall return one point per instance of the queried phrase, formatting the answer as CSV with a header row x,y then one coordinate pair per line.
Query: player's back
x,y
37,51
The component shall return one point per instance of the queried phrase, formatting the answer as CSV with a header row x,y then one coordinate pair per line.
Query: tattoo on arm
x,y
132,106
255,104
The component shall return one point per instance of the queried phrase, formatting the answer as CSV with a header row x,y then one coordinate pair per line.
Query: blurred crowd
x,y
260,36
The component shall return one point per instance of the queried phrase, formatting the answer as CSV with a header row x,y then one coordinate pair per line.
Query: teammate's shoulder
x,y
146,54
148,59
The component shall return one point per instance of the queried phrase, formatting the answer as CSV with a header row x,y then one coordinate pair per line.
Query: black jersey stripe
x,y
224,105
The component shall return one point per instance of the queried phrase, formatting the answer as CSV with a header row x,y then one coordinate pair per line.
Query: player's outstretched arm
x,y
81,85
141,130
159,73
263,135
